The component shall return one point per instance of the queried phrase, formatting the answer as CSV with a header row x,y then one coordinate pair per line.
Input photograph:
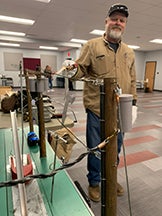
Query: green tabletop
x,y
66,199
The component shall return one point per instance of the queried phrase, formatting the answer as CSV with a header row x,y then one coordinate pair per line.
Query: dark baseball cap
x,y
118,8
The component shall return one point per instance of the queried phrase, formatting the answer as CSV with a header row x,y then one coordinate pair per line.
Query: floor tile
x,y
137,158
139,140
154,164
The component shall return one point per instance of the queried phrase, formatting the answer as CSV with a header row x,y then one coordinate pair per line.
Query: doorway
x,y
31,63
149,78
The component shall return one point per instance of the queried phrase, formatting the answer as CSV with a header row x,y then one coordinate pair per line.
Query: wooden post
x,y
109,165
40,107
29,101
103,150
41,125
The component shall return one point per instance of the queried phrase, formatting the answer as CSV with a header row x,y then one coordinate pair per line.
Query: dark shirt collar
x,y
114,46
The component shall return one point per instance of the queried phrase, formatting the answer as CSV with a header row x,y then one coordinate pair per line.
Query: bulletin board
x,y
12,61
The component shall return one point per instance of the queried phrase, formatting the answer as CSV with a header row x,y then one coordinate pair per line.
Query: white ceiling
x,y
61,20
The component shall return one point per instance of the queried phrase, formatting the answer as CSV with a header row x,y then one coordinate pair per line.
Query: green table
x,y
67,201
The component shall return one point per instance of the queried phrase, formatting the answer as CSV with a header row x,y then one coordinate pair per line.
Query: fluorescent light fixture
x,y
9,44
97,32
69,44
159,41
133,46
78,40
16,20
12,33
48,48
45,1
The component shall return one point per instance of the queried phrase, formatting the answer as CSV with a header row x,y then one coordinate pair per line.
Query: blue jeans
x,y
50,83
93,139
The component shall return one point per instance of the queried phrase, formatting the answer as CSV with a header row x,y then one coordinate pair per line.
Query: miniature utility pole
x,y
41,119
29,101
108,110
38,86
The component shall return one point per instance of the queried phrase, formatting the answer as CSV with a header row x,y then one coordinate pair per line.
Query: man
x,y
104,57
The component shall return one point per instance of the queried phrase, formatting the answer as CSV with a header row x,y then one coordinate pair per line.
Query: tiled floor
x,y
143,148
143,156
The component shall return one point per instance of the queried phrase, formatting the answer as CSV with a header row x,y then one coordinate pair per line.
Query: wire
x,y
69,131
124,156
127,180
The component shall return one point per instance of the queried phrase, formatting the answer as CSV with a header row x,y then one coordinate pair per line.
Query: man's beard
x,y
116,35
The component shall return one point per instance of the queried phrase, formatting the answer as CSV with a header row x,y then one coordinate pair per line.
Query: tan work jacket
x,y
97,61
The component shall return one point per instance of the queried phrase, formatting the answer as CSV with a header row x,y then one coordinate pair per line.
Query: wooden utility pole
x,y
40,107
41,125
109,153
41,120
29,101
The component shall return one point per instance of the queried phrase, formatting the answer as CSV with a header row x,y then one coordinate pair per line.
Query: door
x,y
150,70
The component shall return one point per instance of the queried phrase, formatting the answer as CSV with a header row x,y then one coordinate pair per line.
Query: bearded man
x,y
104,57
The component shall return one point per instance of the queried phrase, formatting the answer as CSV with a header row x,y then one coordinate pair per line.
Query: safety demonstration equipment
x,y
64,145
32,139
125,111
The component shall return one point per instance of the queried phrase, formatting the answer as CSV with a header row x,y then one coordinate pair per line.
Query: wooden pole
x,y
109,165
41,125
103,150
29,101
41,120
40,107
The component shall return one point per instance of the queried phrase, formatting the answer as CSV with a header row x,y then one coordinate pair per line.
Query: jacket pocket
x,y
100,65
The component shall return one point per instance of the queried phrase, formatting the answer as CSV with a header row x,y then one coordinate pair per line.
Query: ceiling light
x,y
45,1
16,20
78,40
68,44
9,44
12,33
97,32
159,41
48,48
133,46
